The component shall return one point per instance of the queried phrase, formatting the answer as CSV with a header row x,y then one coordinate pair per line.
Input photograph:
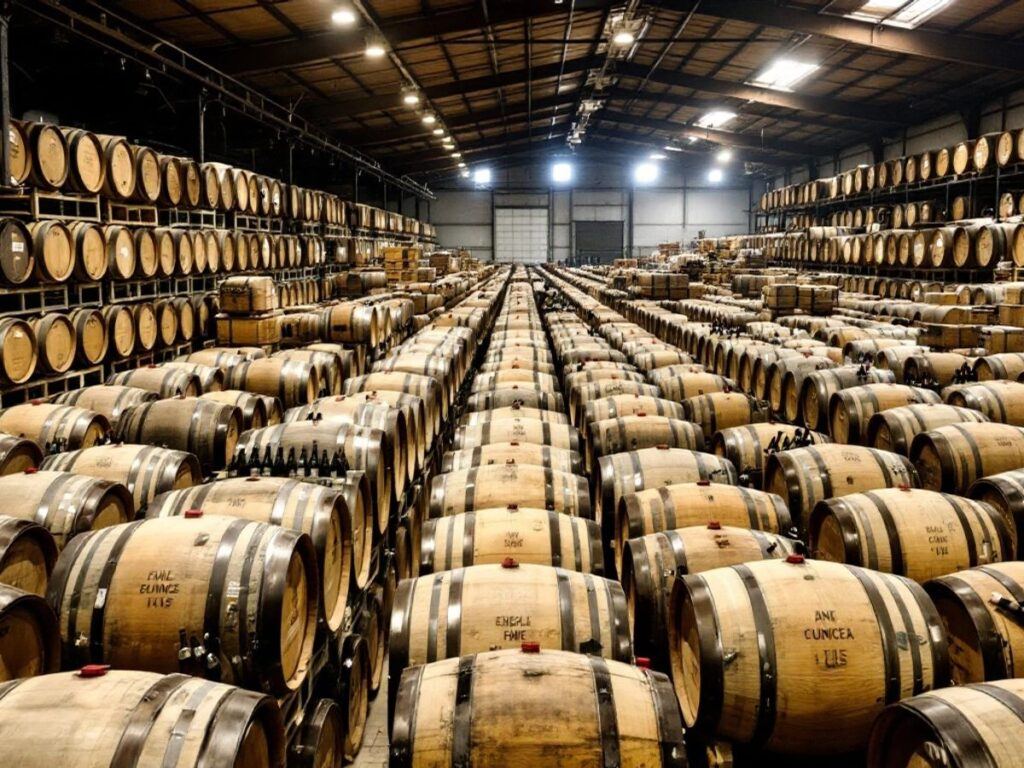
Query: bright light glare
x,y
645,173
439,131
561,173
429,119
783,74
715,175
673,148
902,14
716,118
482,176
657,156
623,38
463,173
375,50
724,155
411,98
456,155
343,17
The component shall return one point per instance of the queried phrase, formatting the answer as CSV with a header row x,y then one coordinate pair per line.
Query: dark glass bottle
x,y
268,462
254,462
337,465
293,468
314,462
279,470
303,461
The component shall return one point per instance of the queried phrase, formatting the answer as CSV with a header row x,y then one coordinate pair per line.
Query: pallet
x,y
130,214
49,298
198,218
41,389
258,223
38,204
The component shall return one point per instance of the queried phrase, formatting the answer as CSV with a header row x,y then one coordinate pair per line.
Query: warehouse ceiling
x,y
513,77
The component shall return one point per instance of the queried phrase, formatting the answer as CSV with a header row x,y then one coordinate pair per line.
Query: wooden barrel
x,y
805,476
328,366
53,251
495,606
544,381
621,474
631,433
91,335
321,741
17,262
745,446
146,327
223,725
29,637
149,563
819,387
894,429
110,401
962,727
18,350
210,379
49,154
498,485
65,504
121,330
257,411
203,428
689,385
647,728
27,555
1000,401
364,449
682,505
950,458
47,423
514,395
293,382
477,418
850,409
1005,492
796,624
18,454
651,564
721,410
351,322
1006,365
342,542
144,470
56,342
517,430
166,382
910,532
513,452
542,537
580,395
619,406
976,607
121,257
938,367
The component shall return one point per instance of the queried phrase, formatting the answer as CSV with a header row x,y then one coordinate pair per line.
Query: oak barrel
x,y
850,409
18,454
166,382
27,555
205,429
496,485
29,637
110,401
745,446
46,423
894,429
950,458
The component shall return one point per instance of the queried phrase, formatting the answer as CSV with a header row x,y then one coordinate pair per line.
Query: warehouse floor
x,y
374,753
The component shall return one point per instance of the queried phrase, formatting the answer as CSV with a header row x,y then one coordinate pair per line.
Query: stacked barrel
x,y
510,603
898,465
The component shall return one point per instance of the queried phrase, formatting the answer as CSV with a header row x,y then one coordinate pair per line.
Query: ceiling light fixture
x,y
463,173
482,176
899,13
561,173
673,148
724,155
428,118
439,131
657,156
375,48
716,118
456,155
716,175
623,38
343,17
645,173
411,98
783,74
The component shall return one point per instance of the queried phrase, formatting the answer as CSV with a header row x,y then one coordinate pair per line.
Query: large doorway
x,y
521,235
597,242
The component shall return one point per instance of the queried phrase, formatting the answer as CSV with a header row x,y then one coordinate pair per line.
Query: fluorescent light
x,y
673,148
899,13
645,173
657,156
724,155
716,118
439,131
623,38
456,155
561,173
429,119
343,17
482,176
692,139
783,74
716,175
411,98
463,165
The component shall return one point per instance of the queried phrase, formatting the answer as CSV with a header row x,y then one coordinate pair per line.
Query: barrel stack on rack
x,y
860,466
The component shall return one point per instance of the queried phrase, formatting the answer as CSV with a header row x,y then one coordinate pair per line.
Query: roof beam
x,y
604,131
414,162
351,107
725,138
819,104
463,120
924,43
264,57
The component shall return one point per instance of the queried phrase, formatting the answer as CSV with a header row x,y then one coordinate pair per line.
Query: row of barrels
x,y
981,155
52,252
313,572
52,157
854,520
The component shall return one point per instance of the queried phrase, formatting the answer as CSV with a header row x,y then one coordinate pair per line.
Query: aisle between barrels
x,y
374,753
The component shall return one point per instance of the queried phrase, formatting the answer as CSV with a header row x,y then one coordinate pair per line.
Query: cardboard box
x,y
255,330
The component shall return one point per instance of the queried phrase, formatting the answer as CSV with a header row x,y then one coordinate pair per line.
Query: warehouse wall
x,y
934,134
676,208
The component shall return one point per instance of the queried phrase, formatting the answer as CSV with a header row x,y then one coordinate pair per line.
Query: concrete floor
x,y
374,753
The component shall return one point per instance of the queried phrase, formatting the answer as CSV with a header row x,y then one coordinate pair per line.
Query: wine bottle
x,y
293,468
303,461
254,462
268,462
314,462
279,470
